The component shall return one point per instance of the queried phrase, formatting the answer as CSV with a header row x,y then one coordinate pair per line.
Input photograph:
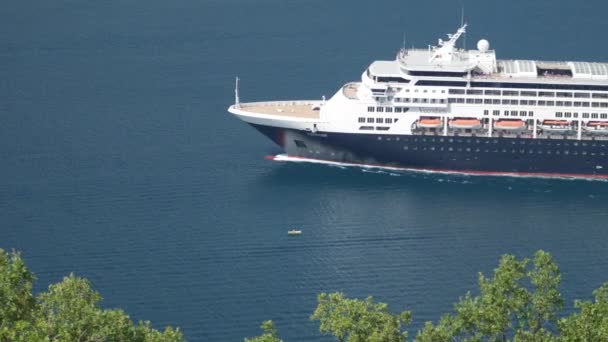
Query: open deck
x,y
295,109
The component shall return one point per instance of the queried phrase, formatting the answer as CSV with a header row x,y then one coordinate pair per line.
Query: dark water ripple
x,y
120,164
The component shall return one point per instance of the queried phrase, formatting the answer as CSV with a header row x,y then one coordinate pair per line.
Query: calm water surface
x,y
120,163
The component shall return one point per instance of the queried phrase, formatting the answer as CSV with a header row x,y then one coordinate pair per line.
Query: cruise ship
x,y
449,109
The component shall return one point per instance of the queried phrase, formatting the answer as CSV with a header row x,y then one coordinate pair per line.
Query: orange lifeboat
x,y
556,122
465,123
429,123
598,124
596,127
557,126
510,125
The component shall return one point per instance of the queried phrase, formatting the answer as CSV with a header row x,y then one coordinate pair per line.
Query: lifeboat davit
x,y
596,127
429,123
557,126
465,123
510,125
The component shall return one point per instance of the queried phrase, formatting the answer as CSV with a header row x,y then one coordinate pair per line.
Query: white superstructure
x,y
444,90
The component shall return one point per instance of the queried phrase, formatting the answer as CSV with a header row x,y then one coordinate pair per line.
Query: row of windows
x,y
377,120
585,115
537,86
531,142
503,150
527,93
529,102
371,128
521,113
372,109
418,100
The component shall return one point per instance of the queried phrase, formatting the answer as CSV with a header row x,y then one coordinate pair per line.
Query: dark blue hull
x,y
482,155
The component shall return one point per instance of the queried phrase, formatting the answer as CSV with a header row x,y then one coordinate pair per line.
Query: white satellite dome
x,y
483,45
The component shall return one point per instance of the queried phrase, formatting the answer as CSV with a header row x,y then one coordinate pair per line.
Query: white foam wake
x,y
392,169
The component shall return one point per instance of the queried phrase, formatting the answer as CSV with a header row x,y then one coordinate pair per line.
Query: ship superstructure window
x,y
474,92
361,120
513,113
538,86
558,114
562,94
530,113
567,115
456,91
603,116
470,101
600,96
510,93
486,112
388,120
496,101
492,92
546,94
594,115
436,73
496,112
367,128
370,120
528,93
575,115
397,109
582,95
389,109
487,101
585,115
392,79
379,120
370,109
523,113
604,105
380,109
532,103
585,104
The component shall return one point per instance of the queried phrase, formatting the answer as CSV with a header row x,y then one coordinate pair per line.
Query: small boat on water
x,y
465,123
510,125
557,126
429,123
294,232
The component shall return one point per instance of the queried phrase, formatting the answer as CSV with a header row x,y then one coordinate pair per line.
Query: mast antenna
x,y
464,38
237,101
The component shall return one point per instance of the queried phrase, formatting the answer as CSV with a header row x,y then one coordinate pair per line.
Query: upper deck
x,y
291,109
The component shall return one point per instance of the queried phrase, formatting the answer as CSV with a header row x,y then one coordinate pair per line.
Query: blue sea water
x,y
119,162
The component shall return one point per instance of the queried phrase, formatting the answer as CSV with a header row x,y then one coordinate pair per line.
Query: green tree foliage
x,y
519,300
355,320
591,322
269,335
68,311
17,304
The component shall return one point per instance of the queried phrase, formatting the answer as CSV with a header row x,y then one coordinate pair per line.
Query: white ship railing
x,y
282,103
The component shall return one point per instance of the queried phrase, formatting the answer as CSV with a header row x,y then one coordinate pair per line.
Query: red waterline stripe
x,y
464,172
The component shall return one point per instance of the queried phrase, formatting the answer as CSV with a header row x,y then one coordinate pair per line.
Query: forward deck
x,y
294,109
